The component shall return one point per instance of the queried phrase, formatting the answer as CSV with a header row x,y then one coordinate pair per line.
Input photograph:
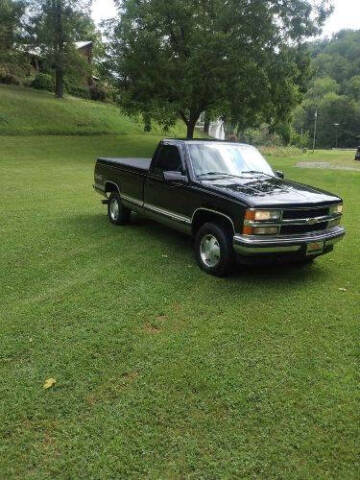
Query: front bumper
x,y
247,245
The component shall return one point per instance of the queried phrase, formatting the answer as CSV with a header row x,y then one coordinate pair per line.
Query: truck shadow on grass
x,y
143,230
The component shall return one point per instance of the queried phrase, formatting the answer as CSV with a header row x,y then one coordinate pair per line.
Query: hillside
x,y
24,111
334,92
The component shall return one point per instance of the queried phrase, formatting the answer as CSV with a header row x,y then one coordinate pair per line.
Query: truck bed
x,y
142,164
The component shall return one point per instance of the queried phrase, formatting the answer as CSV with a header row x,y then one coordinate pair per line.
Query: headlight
x,y
338,208
255,222
263,215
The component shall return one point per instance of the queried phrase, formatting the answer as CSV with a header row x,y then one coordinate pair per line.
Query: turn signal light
x,y
248,230
250,215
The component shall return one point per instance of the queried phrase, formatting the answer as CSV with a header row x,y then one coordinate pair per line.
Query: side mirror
x,y
175,177
279,174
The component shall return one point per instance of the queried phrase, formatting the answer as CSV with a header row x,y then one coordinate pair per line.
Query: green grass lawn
x,y
334,159
163,372
25,111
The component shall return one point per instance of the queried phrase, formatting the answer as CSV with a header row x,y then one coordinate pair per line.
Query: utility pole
x,y
315,130
337,125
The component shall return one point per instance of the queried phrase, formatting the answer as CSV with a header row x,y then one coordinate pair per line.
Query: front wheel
x,y
307,261
117,213
214,250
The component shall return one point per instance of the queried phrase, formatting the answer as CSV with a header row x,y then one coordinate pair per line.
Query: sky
x,y
346,15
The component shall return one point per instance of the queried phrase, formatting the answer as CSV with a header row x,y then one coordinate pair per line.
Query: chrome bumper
x,y
255,245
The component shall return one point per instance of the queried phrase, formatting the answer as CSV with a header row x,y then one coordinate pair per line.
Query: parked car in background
x,y
357,154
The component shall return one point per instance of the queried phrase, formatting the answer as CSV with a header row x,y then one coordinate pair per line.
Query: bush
x,y
98,93
94,92
280,152
43,81
78,91
9,79
300,140
261,136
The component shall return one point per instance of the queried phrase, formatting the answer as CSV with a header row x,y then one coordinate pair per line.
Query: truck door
x,y
164,201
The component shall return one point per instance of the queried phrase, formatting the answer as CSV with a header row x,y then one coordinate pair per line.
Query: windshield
x,y
227,160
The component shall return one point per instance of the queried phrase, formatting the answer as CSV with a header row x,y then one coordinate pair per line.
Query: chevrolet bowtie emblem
x,y
311,221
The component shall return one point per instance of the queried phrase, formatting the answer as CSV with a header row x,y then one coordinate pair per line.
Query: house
x,y
84,48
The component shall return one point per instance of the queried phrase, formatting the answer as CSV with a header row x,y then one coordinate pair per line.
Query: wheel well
x,y
111,187
204,216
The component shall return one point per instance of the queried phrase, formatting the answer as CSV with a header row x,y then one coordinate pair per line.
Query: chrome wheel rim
x,y
210,250
114,209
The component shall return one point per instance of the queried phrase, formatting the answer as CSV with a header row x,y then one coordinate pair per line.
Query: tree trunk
x,y
190,123
190,129
207,124
59,41
59,83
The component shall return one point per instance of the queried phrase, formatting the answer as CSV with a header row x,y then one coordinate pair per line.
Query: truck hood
x,y
264,191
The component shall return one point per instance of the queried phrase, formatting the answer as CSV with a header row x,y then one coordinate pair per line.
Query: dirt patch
x,y
130,375
325,165
151,329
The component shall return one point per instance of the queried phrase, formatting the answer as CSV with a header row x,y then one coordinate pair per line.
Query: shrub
x,y
261,136
7,77
301,140
78,91
98,93
43,81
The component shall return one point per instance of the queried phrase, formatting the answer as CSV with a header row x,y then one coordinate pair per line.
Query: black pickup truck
x,y
227,197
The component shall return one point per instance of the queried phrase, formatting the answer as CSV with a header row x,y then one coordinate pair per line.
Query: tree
x,y
11,13
335,92
55,26
321,87
352,87
334,112
11,23
338,57
240,58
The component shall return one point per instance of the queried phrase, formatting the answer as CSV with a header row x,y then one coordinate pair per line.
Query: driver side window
x,y
168,160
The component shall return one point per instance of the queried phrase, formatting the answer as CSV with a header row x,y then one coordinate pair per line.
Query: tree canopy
x,y
239,59
55,27
11,22
334,91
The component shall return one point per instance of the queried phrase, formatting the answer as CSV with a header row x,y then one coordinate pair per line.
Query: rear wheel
x,y
214,250
117,213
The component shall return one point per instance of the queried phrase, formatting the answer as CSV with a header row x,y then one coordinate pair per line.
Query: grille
x,y
315,212
303,214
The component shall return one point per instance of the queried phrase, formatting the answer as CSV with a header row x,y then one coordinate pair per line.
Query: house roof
x,y
36,51
83,44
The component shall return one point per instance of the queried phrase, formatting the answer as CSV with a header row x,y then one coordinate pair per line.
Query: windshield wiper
x,y
259,173
223,174
220,174
210,173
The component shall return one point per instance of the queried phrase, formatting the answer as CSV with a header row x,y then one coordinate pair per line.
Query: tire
x,y
307,261
213,249
117,213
